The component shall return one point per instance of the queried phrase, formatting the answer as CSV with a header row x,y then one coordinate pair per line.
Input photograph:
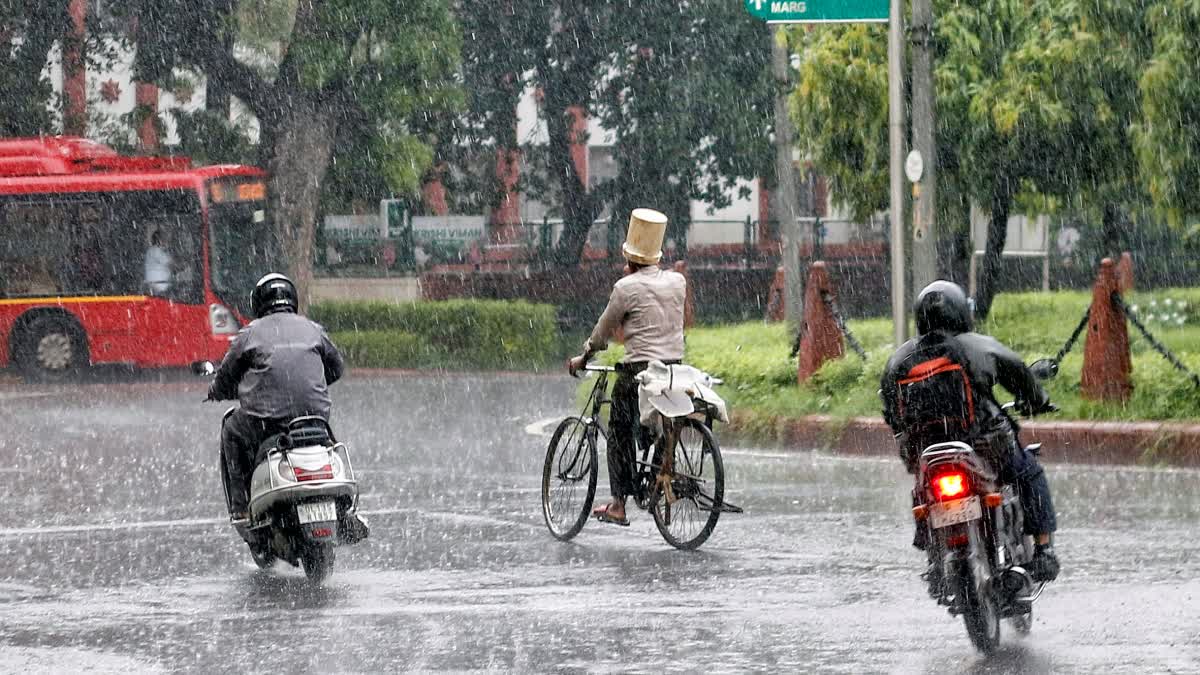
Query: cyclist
x,y
647,304
946,339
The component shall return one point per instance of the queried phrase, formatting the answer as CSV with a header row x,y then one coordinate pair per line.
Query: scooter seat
x,y
306,436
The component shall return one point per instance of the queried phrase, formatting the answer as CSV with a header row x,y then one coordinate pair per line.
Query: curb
x,y
448,373
1124,443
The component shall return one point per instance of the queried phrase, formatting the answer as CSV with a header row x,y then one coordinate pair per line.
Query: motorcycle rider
x,y
945,331
279,368
648,305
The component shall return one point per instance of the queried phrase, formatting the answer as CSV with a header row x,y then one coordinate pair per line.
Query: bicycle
x,y
684,490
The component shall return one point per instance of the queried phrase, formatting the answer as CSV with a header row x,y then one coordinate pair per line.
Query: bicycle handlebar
x,y
599,369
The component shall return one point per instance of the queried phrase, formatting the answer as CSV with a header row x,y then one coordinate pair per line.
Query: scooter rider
x,y
279,367
944,327
648,305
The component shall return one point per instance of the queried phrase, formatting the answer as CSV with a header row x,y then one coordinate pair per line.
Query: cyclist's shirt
x,y
648,304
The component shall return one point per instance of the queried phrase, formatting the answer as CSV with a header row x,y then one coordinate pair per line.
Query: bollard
x,y
775,305
689,302
1125,273
821,339
1106,365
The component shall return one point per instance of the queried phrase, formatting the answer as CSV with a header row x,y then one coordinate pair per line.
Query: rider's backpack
x,y
933,391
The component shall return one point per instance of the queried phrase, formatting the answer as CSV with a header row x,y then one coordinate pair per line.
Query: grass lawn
x,y
761,379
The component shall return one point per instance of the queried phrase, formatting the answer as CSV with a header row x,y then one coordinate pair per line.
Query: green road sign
x,y
818,11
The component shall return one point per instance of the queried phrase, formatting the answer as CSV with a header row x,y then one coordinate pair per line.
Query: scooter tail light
x,y
993,499
952,484
323,473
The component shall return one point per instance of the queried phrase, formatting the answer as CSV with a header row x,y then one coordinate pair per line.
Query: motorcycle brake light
x,y
950,485
323,473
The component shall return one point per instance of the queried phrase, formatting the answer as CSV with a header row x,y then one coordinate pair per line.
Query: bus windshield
x,y
243,245
102,244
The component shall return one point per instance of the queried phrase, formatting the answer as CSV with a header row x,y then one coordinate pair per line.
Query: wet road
x,y
114,556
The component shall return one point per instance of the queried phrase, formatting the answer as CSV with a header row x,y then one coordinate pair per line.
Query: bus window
x,y
101,244
243,245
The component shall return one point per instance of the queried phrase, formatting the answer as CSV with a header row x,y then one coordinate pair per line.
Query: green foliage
x,y
455,333
1166,136
384,349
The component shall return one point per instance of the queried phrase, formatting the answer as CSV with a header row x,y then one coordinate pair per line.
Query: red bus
x,y
104,258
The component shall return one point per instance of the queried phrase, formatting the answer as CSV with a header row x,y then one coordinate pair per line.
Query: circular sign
x,y
914,166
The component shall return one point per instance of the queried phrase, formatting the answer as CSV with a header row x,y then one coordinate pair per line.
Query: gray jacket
x,y
279,367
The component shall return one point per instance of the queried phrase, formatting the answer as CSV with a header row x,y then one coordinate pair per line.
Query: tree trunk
x,y
300,147
218,100
989,275
1111,231
580,208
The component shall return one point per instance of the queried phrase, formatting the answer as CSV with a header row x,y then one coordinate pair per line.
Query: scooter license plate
x,y
316,512
945,514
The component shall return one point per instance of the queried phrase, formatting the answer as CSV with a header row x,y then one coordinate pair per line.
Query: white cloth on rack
x,y
669,390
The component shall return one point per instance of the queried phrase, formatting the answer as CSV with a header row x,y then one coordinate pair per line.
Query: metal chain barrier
x,y
1087,314
841,323
1158,346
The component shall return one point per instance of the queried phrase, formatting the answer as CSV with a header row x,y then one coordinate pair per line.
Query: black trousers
x,y
241,435
625,431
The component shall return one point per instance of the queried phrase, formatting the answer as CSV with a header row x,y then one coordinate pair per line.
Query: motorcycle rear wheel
x,y
317,560
981,615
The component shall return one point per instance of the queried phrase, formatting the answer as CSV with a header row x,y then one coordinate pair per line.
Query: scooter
x,y
303,498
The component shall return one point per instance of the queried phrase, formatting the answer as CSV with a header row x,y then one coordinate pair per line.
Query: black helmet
x,y
943,305
273,293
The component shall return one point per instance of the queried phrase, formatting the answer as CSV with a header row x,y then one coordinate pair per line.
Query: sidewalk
x,y
1080,442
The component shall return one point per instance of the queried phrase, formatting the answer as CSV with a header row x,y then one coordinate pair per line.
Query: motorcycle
x,y
303,497
975,527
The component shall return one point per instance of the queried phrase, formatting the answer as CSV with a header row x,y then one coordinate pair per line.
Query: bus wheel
x,y
52,349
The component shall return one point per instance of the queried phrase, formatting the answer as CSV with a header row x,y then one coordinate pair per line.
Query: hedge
x,y
485,334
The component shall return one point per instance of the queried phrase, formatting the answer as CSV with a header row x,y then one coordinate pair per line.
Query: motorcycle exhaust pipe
x,y
1018,574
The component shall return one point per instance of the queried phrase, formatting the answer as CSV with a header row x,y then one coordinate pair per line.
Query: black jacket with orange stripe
x,y
988,363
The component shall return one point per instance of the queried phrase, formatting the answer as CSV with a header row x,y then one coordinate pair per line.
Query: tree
x,y
30,31
341,68
684,100
1167,136
690,107
1029,103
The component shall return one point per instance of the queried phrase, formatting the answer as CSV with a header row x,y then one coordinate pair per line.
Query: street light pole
x,y
924,115
896,146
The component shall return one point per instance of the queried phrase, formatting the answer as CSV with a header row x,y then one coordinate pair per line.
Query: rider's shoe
x,y
933,576
1044,565
354,528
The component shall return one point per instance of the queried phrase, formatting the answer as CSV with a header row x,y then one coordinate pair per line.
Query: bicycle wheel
x,y
569,477
687,512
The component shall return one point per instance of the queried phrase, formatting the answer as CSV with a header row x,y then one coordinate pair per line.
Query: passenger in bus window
x,y
158,266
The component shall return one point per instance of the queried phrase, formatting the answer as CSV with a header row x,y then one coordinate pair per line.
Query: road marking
x,y
12,396
543,427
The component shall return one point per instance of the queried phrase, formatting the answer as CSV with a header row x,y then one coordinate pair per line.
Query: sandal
x,y
601,513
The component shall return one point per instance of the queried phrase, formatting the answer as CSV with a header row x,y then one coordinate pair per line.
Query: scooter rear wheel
x,y
264,558
317,560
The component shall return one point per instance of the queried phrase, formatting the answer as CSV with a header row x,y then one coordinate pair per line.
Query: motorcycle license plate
x,y
316,512
945,514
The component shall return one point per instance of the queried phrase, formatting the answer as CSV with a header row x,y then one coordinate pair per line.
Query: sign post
x,y
853,11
